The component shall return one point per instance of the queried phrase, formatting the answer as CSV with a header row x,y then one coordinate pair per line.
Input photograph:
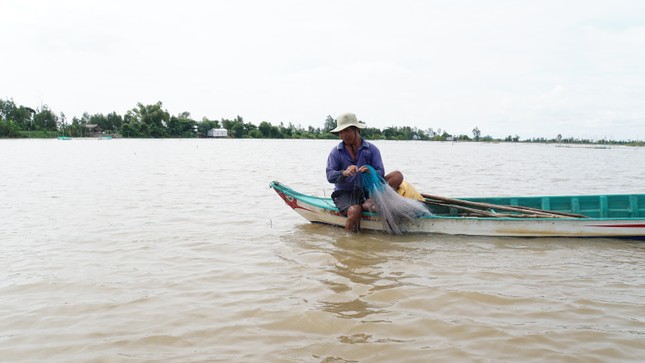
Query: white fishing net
x,y
393,208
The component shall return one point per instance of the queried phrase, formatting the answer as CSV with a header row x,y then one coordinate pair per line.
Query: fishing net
x,y
392,207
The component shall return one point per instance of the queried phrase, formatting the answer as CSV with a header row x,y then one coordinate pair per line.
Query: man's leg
x,y
354,214
349,204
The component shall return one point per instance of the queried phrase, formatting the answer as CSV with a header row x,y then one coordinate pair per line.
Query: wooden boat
x,y
614,216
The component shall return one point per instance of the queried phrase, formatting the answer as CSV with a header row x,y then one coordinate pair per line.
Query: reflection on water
x,y
355,265
419,290
350,309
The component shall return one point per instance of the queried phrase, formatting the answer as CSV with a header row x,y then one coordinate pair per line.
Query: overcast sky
x,y
527,68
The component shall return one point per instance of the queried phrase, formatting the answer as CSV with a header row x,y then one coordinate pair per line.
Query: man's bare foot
x,y
370,206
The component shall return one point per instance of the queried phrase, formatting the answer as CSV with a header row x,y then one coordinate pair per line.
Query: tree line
x,y
152,121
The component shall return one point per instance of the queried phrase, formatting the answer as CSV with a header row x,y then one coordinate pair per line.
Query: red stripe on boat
x,y
292,202
619,225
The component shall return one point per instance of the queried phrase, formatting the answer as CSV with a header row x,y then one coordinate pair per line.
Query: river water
x,y
178,251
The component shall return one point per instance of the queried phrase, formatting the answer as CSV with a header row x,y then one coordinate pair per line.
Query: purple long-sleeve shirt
x,y
339,160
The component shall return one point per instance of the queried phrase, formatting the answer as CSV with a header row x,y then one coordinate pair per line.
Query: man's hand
x,y
351,170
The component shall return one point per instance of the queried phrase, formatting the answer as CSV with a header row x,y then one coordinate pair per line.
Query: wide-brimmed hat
x,y
346,120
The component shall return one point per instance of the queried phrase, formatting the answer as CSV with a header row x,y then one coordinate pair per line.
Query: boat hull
x,y
322,210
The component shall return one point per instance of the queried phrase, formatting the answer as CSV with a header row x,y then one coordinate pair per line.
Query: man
x,y
344,162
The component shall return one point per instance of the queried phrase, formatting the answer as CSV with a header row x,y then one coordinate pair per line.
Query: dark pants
x,y
347,198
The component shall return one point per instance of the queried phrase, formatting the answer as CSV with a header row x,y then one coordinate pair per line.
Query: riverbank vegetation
x,y
152,121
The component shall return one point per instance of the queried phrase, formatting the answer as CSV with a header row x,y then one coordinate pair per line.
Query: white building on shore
x,y
217,133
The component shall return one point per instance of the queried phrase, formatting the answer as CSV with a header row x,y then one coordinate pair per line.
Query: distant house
x,y
217,133
93,130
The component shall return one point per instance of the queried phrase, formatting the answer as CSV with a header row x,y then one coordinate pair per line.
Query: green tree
x,y
181,125
7,107
8,128
265,129
390,133
249,128
130,129
114,121
371,133
237,129
276,132
330,124
476,133
227,124
77,127
20,115
289,131
256,134
45,120
152,119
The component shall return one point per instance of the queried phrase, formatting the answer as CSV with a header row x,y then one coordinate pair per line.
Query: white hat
x,y
346,120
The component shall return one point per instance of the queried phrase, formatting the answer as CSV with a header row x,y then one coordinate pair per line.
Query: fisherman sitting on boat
x,y
349,157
